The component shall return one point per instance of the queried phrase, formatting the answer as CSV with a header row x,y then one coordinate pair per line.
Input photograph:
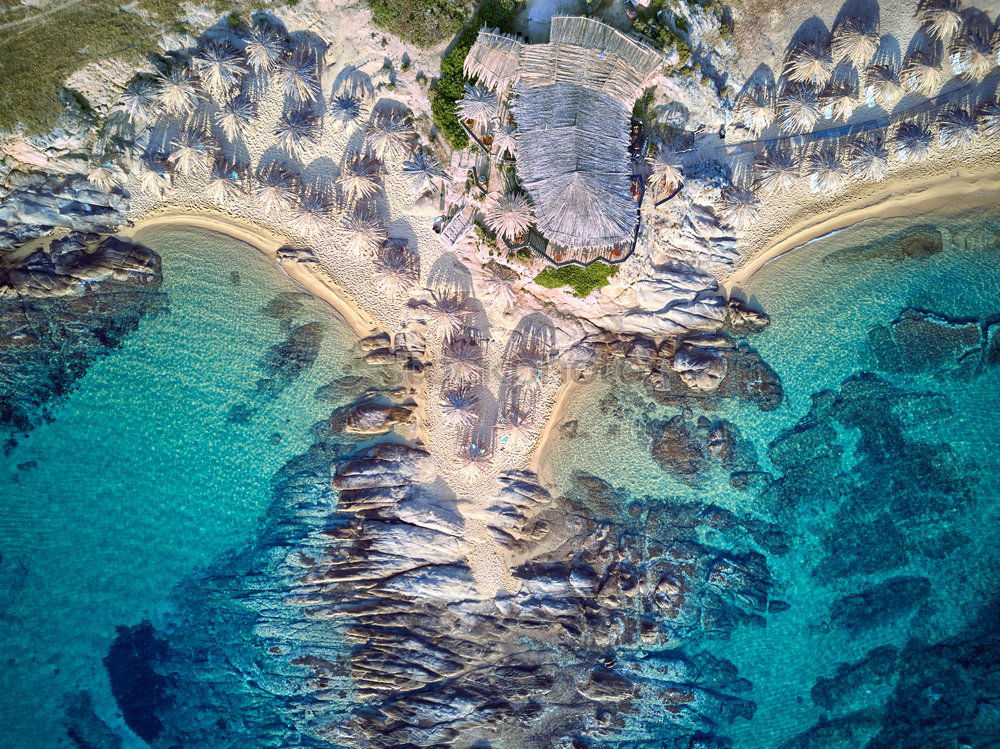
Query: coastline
x,y
899,199
267,242
564,396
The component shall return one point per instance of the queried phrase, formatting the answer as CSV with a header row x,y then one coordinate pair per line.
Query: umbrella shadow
x,y
449,278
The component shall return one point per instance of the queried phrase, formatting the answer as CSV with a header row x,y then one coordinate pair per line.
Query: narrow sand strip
x,y
564,396
899,199
268,242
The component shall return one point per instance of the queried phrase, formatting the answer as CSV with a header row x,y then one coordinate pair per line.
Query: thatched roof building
x,y
572,106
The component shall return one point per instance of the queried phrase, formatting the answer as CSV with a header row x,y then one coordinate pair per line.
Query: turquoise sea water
x,y
159,460
910,492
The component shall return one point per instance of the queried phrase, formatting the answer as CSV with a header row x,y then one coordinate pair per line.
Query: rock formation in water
x,y
61,306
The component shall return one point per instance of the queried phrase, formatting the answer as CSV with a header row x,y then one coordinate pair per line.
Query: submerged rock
x,y
914,243
924,341
879,604
140,691
859,682
677,448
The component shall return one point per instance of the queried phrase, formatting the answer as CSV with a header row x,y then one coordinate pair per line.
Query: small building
x,y
571,102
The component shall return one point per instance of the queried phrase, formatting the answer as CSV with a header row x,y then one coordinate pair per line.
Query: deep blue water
x,y
158,460
879,466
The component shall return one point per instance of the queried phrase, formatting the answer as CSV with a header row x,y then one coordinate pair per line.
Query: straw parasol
x,y
940,18
776,170
177,90
798,109
423,169
882,86
346,111
989,117
509,215
227,180
956,128
498,284
913,142
191,151
458,406
105,174
462,362
389,135
839,100
809,63
869,158
504,143
921,74
514,427
220,67
756,108
473,460
479,105
396,266
276,188
234,116
312,214
266,47
300,76
973,56
664,171
737,207
447,314
297,130
852,42
140,101
365,231
154,174
525,369
826,172
359,180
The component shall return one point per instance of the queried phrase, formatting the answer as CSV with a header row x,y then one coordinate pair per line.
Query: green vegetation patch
x,y
423,22
582,280
450,86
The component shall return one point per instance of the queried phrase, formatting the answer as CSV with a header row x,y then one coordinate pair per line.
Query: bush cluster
x,y
582,280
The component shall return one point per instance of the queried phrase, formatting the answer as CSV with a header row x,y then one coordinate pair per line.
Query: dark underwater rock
x,y
914,243
851,730
862,681
289,359
924,341
140,691
83,726
677,449
880,603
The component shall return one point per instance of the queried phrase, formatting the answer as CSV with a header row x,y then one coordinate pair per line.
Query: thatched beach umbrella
x,y
913,142
219,66
140,101
972,55
423,169
312,213
882,86
756,108
514,427
956,128
989,118
154,174
396,266
462,362
227,181
798,109
839,100
869,158
458,406
177,90
365,232
664,171
300,76
234,116
737,207
940,18
105,174
826,172
504,143
346,111
447,314
922,74
498,284
524,369
266,47
191,152
389,135
473,461
810,63
509,215
479,105
851,41
297,131
359,180
775,170
276,188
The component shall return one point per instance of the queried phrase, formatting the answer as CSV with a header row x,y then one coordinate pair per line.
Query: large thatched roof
x,y
572,108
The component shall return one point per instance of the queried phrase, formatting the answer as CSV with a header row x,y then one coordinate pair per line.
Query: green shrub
x,y
423,22
450,85
582,280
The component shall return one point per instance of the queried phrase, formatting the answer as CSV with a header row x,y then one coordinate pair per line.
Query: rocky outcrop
x,y
855,683
376,418
879,604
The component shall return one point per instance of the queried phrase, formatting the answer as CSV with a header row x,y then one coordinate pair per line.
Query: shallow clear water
x,y
824,300
157,462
